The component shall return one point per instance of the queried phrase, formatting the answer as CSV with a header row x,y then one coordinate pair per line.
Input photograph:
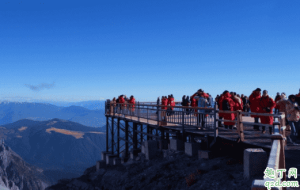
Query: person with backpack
x,y
171,102
202,103
266,104
228,105
254,106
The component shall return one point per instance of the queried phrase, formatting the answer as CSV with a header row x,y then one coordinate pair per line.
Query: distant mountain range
x,y
61,148
16,174
14,111
91,104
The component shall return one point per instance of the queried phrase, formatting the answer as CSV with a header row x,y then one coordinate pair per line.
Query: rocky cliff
x,y
16,174
168,170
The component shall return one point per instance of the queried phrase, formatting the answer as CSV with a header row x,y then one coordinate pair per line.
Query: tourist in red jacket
x,y
228,116
266,106
131,101
122,102
171,101
254,105
193,104
164,102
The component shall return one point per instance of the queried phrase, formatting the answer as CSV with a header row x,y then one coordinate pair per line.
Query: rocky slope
x,y
16,174
169,170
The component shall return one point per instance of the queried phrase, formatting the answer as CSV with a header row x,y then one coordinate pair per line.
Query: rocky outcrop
x,y
169,170
17,174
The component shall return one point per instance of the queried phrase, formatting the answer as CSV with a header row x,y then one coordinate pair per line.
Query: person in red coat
x,y
254,105
193,104
228,116
266,104
131,101
164,102
122,102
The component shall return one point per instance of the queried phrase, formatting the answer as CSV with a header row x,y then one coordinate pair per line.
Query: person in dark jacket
x,y
254,106
277,98
188,103
183,101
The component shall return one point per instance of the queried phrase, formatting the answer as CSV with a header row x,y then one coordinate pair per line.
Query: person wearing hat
x,y
254,99
277,98
293,116
267,105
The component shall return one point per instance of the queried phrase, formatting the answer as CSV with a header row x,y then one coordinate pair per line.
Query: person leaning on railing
x,y
266,104
254,106
293,117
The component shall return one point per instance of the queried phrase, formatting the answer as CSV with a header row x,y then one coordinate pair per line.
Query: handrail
x,y
276,158
179,118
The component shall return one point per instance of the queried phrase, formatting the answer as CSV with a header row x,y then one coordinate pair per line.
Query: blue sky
x,y
91,50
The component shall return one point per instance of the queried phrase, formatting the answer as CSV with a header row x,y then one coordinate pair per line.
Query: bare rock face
x,y
17,174
171,170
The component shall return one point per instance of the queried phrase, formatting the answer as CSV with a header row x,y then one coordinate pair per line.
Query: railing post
x,y
107,123
240,125
138,110
157,108
118,136
182,123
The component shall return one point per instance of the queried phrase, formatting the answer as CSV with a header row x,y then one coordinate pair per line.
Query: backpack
x,y
226,105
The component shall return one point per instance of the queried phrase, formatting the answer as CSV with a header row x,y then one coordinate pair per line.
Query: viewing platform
x,y
195,132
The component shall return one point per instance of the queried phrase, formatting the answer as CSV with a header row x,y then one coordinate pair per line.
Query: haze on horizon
x,y
95,50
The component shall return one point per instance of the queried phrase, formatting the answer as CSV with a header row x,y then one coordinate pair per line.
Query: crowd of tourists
x,y
231,101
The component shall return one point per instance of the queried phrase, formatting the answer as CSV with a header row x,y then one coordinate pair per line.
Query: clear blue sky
x,y
91,50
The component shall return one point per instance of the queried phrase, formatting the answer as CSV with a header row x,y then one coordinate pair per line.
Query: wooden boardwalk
x,y
252,137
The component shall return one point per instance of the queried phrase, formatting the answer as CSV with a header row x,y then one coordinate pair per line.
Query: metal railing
x,y
276,158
